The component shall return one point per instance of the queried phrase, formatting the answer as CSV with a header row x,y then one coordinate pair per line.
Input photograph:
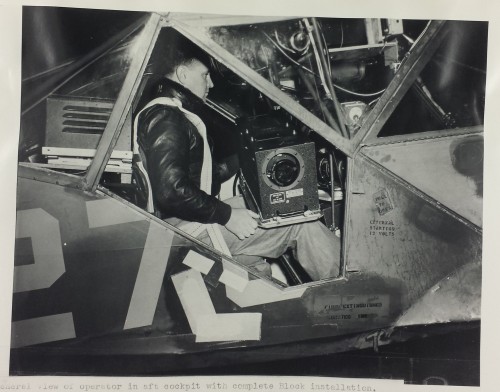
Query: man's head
x,y
189,66
195,76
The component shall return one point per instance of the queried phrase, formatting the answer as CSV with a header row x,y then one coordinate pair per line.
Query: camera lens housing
x,y
283,169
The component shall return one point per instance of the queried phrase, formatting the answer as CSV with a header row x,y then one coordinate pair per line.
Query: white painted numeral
x,y
43,229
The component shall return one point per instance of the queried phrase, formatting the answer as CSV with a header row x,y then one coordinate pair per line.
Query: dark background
x,y
449,358
53,36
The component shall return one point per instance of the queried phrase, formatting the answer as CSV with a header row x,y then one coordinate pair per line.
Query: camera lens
x,y
283,169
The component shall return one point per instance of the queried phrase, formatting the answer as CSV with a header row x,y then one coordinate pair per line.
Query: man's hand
x,y
242,222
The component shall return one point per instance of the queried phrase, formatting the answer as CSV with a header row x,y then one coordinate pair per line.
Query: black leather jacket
x,y
172,149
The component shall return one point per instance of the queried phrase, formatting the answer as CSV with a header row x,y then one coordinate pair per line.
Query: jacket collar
x,y
168,88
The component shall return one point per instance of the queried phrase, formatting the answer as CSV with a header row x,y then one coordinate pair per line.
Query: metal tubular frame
x,y
122,105
414,63
402,81
477,129
33,172
328,78
200,38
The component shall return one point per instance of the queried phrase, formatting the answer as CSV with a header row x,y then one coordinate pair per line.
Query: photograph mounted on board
x,y
220,194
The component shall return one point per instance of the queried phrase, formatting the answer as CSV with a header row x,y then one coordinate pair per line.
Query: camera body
x,y
278,171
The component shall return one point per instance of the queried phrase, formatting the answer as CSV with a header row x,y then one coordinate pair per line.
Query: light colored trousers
x,y
313,245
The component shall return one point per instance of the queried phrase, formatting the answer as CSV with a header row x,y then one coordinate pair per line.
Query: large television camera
x,y
278,171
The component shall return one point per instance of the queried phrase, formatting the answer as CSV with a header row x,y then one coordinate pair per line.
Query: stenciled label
x,y
295,193
278,197
383,202
382,228
352,307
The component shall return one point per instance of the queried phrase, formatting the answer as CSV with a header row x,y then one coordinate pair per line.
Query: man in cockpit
x,y
177,158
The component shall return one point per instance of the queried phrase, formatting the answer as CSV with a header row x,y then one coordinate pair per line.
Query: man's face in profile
x,y
197,79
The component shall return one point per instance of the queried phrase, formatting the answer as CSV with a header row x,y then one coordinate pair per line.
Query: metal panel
x,y
448,169
34,172
456,297
104,244
398,234
74,122
100,263
109,252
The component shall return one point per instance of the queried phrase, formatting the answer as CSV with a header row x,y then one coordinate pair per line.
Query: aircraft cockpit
x,y
370,128
292,99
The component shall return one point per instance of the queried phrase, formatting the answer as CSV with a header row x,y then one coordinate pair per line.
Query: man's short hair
x,y
173,50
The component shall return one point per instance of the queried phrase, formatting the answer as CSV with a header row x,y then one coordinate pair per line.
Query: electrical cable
x,y
343,88
317,76
281,44
342,35
289,58
326,114
415,42
299,50
316,52
317,94
325,50
326,55
328,83
359,94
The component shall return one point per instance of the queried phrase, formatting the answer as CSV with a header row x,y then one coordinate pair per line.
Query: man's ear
x,y
180,73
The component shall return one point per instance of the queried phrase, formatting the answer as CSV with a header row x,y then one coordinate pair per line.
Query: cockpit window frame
x,y
123,103
200,37
417,58
412,65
